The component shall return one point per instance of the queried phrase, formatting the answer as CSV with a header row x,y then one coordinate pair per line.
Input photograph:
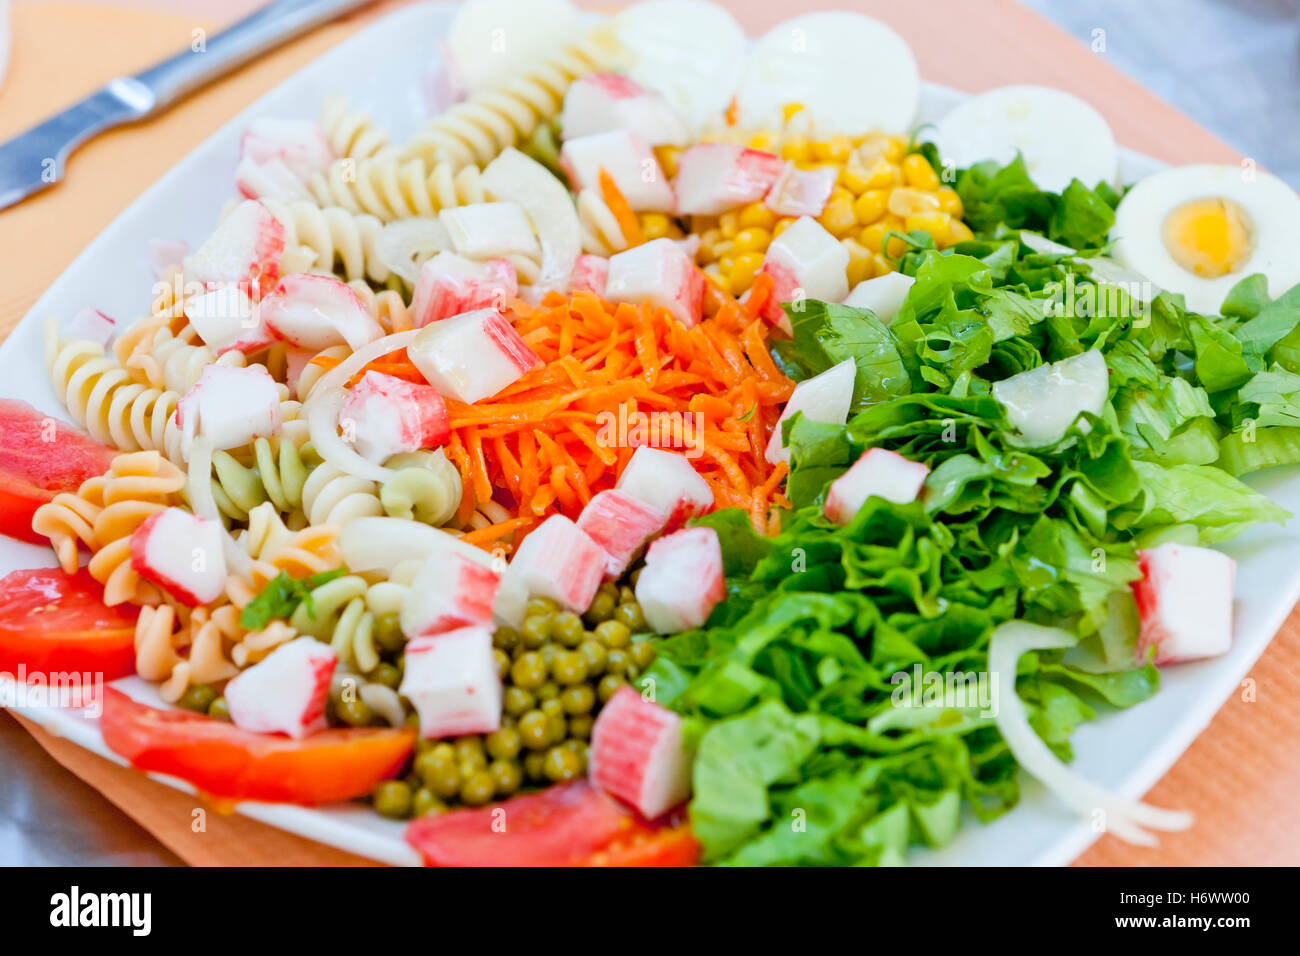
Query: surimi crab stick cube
x,y
805,262
714,177
660,273
666,482
316,312
245,248
799,192
1184,601
450,284
823,398
229,407
227,319
681,582
271,179
488,230
166,253
285,692
297,143
451,680
472,356
621,525
450,591
93,325
630,163
879,472
383,415
590,274
600,102
560,561
637,754
181,552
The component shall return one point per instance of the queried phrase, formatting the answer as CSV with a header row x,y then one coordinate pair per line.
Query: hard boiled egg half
x,y
1060,136
1198,230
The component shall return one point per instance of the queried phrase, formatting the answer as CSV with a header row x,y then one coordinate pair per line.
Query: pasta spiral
x,y
426,488
333,238
389,187
275,548
350,133
475,131
174,360
273,474
107,400
388,306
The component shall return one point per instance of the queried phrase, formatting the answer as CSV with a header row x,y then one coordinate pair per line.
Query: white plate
x,y
382,70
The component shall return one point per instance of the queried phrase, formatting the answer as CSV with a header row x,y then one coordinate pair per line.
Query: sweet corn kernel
x,y
838,217
870,206
919,173
796,149
782,224
837,149
892,221
906,201
854,178
751,240
950,202
764,141
960,232
726,264
860,266
937,224
655,225
757,216
882,174
668,157
729,224
743,269
790,111
873,237
839,192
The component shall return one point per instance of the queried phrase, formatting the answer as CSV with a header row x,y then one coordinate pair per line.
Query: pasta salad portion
x,y
670,445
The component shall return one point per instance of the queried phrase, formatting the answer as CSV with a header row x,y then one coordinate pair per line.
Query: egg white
x,y
1273,208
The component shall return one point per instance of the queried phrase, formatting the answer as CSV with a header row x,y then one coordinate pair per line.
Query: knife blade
x,y
37,158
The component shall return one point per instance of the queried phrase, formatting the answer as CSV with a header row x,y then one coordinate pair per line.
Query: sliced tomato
x,y
226,762
572,824
40,456
52,622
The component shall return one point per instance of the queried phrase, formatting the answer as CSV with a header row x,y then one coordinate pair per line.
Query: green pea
x,y
632,616
608,587
552,707
578,699
608,687
198,697
469,748
446,782
535,765
539,606
569,668
503,744
643,653
618,662
596,655
561,764
503,662
602,608
387,674
548,691
613,634
534,731
529,672
567,629
392,798
518,701
445,751
558,727
426,803
388,633
580,726
536,631
429,766
549,652
507,775
478,789
355,713
218,709
506,638
626,595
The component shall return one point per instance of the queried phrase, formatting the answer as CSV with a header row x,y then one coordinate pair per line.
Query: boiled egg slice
x,y
687,50
1061,137
850,74
1198,230
492,41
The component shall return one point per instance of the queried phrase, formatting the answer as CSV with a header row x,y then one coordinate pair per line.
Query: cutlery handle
x,y
259,31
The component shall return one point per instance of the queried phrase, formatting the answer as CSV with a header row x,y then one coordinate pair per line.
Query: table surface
x,y
1240,776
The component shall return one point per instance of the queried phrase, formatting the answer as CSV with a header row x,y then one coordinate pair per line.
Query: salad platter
x,y
1041,447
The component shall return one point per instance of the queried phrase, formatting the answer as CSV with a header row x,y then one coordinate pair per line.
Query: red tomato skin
x,y
40,456
571,824
229,763
53,622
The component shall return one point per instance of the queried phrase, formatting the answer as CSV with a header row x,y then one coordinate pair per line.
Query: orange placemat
x,y
1240,777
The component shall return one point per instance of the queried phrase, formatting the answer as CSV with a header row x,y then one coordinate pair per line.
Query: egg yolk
x,y
1209,237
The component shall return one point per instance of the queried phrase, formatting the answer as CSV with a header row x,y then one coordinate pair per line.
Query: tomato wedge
x,y
52,622
224,761
572,824
40,456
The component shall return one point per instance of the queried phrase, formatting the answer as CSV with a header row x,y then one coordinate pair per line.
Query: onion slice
x,y
1121,816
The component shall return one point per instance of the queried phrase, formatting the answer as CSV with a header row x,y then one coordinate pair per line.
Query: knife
x,y
35,159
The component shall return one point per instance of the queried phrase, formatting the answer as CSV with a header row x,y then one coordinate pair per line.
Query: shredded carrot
x,y
627,220
495,532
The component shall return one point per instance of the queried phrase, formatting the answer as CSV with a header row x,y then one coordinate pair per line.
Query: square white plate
x,y
383,70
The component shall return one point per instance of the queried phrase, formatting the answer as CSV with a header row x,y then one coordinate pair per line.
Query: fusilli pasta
x,y
350,133
333,238
388,187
